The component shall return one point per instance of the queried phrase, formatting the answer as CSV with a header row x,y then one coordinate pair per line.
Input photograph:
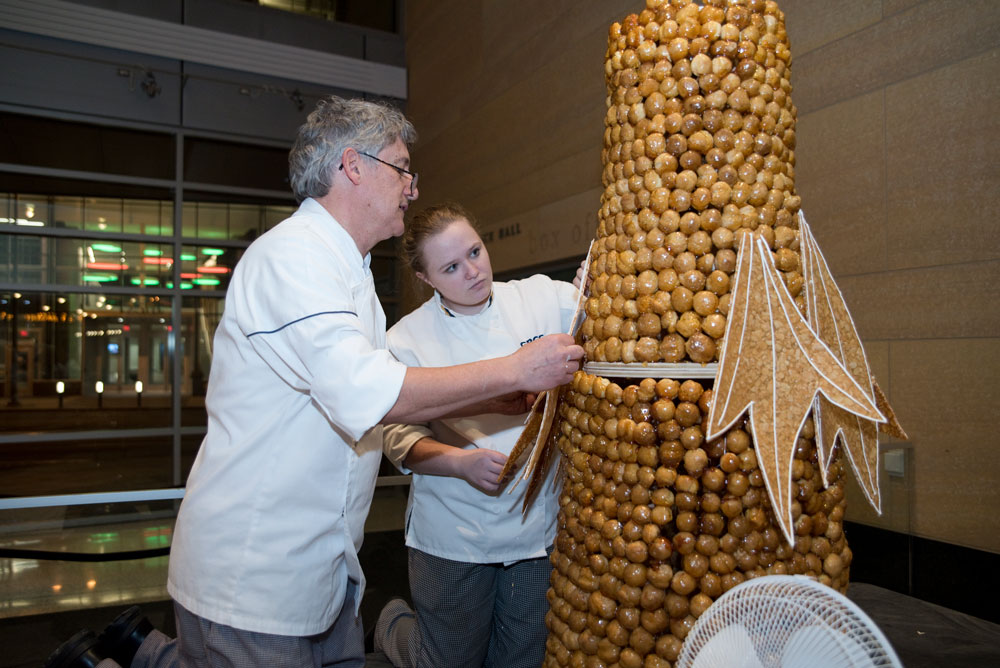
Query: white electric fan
x,y
785,621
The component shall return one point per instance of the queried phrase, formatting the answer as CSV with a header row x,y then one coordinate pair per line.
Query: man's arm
x,y
432,392
514,403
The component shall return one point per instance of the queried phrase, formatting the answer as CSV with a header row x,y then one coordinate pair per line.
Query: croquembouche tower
x,y
725,393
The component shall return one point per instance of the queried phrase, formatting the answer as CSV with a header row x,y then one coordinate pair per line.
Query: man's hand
x,y
547,362
514,403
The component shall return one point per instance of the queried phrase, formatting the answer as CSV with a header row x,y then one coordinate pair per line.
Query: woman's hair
x,y
425,225
335,125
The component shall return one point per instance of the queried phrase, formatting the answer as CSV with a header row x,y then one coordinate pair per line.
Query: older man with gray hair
x,y
264,568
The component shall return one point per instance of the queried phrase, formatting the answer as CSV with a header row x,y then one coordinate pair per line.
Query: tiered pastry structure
x,y
698,145
700,441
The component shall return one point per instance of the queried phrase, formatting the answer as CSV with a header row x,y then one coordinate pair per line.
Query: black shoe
x,y
121,638
80,651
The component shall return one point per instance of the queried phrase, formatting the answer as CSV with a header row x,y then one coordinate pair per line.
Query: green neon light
x,y
98,278
106,537
152,252
212,251
188,257
186,286
205,281
156,541
145,281
106,248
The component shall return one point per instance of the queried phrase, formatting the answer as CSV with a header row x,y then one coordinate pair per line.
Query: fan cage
x,y
773,609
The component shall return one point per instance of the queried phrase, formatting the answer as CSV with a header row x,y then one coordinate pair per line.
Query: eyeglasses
x,y
399,170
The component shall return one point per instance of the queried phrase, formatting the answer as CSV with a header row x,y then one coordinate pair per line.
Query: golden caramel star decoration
x,y
831,321
541,438
774,366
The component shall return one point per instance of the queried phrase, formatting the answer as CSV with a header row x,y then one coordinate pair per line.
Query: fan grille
x,y
785,621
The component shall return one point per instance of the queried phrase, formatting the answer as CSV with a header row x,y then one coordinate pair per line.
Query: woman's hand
x,y
582,280
480,467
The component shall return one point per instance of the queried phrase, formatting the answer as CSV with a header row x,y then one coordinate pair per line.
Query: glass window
x,y
112,264
80,261
88,465
97,214
208,267
148,217
21,258
233,164
206,220
244,221
206,217
46,142
25,211
102,214
275,214
67,212
378,14
57,347
87,343
200,319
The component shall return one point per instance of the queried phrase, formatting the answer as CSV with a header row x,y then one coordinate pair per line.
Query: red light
x,y
170,328
24,333
107,266
126,328
163,261
214,270
189,276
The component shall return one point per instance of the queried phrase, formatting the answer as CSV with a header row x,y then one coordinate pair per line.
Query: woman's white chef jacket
x,y
273,516
446,516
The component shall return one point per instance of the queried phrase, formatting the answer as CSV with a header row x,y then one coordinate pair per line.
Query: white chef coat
x,y
273,516
447,517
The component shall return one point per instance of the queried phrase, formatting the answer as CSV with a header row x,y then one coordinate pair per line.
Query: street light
x,y
138,393
60,391
99,388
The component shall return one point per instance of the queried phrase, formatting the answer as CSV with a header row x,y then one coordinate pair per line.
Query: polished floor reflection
x,y
58,559
43,585
61,569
